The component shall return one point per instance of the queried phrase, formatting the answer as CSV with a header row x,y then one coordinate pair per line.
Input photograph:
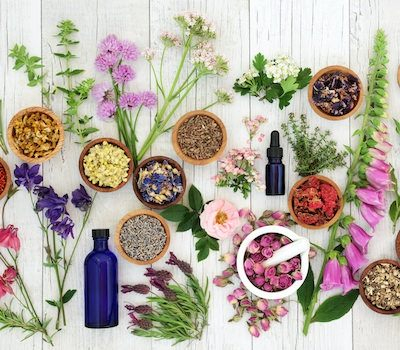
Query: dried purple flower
x,y
160,274
27,176
137,288
141,323
81,199
144,309
163,287
182,265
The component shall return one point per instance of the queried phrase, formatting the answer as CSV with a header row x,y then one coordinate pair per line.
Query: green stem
x,y
60,306
161,68
2,141
210,105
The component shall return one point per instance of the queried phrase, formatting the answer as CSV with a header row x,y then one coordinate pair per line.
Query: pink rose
x,y
219,219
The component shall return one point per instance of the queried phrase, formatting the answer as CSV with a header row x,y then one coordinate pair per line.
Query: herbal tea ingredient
x,y
35,134
336,93
273,278
382,286
143,237
106,164
3,178
200,137
314,151
178,312
159,182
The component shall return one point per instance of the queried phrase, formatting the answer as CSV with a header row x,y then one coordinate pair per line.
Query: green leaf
x,y
203,254
259,62
200,234
397,123
175,213
284,100
303,78
348,149
195,199
335,307
393,212
52,303
289,84
187,222
68,295
201,243
213,243
304,293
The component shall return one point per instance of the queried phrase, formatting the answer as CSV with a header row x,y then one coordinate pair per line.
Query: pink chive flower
x,y
281,311
253,247
265,325
229,258
378,178
129,51
123,74
254,331
359,237
149,99
348,281
106,110
6,280
239,293
285,267
262,305
102,92
105,61
371,196
130,100
332,275
221,282
110,44
9,238
354,257
370,215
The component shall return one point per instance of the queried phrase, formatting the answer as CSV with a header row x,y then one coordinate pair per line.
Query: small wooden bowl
x,y
86,150
178,149
330,69
131,215
15,148
362,289
398,245
8,178
323,179
158,159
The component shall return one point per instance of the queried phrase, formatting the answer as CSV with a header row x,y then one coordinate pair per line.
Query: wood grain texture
x,y
315,33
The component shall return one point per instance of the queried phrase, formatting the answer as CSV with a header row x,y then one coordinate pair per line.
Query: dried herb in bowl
x,y
200,137
336,93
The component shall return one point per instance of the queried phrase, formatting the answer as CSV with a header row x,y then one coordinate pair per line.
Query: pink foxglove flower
x,y
359,237
348,281
6,280
219,219
377,154
378,178
380,165
371,216
332,275
372,196
354,257
9,238
384,146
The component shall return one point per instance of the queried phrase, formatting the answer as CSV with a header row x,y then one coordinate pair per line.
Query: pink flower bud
x,y
249,272
262,304
295,262
258,269
278,215
229,272
281,311
247,228
231,299
244,212
276,244
229,258
251,309
266,241
259,281
221,282
245,302
285,281
267,252
267,287
254,331
285,240
274,281
239,293
285,267
248,264
258,257
252,320
265,324
237,239
312,253
261,223
253,247
270,271
297,275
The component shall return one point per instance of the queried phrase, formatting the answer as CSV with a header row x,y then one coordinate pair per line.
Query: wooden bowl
x,y
8,178
398,245
362,289
330,69
86,150
158,159
15,148
323,179
131,215
178,149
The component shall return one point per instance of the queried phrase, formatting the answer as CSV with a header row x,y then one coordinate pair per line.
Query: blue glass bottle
x,y
101,284
275,169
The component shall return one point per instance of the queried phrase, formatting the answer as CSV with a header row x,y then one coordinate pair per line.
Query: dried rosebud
x,y
239,293
231,299
265,324
254,331
237,239
229,272
281,311
137,288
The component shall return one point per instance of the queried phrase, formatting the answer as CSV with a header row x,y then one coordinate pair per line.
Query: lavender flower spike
x,y
182,265
27,176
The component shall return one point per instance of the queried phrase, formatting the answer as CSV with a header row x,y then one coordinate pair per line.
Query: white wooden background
x,y
315,33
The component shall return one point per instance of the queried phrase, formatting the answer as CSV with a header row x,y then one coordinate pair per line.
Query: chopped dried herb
x,y
200,137
336,93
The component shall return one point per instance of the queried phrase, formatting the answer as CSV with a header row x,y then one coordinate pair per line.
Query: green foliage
x,y
305,292
313,150
188,218
76,94
2,140
264,88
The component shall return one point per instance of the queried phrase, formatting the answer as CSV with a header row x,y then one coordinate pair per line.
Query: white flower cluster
x,y
204,58
170,39
280,68
248,76
224,96
148,54
195,24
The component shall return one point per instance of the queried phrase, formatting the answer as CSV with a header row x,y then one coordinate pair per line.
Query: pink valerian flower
x,y
6,280
130,100
9,238
359,237
149,99
372,196
170,39
102,92
354,257
378,178
348,282
253,125
148,54
370,215
106,110
123,74
105,61
332,275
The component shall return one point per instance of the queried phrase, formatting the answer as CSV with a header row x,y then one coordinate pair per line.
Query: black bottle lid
x,y
101,233
274,150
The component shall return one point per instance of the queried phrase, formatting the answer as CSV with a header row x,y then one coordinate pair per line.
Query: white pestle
x,y
287,252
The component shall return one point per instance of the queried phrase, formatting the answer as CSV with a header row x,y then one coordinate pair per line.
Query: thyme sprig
x,y
314,151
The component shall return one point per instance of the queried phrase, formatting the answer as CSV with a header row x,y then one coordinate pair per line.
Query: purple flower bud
x,y
265,324
332,275
137,288
253,247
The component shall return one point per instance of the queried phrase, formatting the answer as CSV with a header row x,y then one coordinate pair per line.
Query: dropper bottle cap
x,y
274,150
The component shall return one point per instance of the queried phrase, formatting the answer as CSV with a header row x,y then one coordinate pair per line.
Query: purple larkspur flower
x,y
105,61
81,199
129,51
149,99
102,92
64,228
106,110
130,100
110,44
27,176
51,203
123,74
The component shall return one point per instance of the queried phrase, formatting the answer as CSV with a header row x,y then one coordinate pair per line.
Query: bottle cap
x,y
274,150
101,233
